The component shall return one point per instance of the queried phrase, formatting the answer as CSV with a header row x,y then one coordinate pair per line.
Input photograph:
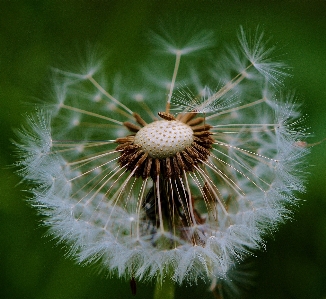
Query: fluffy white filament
x,y
242,191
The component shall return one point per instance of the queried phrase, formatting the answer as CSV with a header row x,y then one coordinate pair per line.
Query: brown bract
x,y
141,163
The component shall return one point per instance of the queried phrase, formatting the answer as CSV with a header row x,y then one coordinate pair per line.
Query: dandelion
x,y
180,175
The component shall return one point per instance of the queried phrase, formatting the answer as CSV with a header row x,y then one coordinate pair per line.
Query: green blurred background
x,y
35,35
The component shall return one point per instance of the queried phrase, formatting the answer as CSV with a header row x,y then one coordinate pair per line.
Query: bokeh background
x,y
35,35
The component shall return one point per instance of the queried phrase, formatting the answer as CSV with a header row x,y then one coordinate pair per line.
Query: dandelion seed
x,y
151,194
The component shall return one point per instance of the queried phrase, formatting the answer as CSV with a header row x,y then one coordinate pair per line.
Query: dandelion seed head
x,y
181,180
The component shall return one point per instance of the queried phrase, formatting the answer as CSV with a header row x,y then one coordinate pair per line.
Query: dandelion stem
x,y
101,89
90,113
164,290
159,204
226,88
245,125
174,76
237,108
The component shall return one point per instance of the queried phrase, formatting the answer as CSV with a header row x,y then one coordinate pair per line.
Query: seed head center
x,y
164,138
